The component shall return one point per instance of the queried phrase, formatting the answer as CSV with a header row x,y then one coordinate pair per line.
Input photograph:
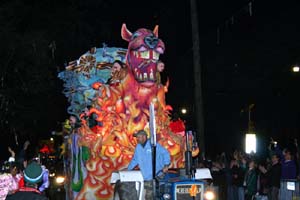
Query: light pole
x,y
197,77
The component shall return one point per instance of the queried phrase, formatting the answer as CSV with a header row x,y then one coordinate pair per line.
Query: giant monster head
x,y
144,49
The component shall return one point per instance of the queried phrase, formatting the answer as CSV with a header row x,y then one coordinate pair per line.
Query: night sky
x,y
246,58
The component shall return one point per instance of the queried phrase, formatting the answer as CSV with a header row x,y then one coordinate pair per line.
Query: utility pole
x,y
197,78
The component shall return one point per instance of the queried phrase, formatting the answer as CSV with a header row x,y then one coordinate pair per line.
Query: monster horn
x,y
155,31
125,33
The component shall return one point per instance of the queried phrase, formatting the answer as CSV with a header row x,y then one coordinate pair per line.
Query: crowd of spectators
x,y
22,178
239,176
242,176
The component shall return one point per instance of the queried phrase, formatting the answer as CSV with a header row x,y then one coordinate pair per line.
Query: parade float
x,y
108,105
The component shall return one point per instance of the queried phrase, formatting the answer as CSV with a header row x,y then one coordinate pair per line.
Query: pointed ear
x,y
125,33
155,31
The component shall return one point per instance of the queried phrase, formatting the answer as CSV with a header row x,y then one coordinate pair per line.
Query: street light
x,y
183,111
250,143
296,69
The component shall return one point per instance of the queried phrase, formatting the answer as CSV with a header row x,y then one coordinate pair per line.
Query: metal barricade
x,y
289,190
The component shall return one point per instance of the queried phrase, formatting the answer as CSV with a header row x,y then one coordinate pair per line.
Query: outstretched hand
x,y
26,144
12,153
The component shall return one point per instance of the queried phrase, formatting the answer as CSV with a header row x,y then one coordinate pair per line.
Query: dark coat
x,y
274,175
237,176
22,195
251,182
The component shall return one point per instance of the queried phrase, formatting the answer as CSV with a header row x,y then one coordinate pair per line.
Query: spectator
x,y
218,174
8,181
237,173
45,180
22,156
288,165
297,158
250,181
273,174
288,169
263,184
33,174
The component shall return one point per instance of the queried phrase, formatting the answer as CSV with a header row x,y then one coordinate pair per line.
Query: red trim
x,y
28,189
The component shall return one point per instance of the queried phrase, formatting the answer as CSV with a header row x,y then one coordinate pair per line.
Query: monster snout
x,y
151,41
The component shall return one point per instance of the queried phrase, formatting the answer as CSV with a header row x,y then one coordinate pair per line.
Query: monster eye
x,y
135,35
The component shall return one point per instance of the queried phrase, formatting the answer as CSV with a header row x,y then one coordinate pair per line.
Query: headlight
x,y
166,196
60,179
209,195
52,174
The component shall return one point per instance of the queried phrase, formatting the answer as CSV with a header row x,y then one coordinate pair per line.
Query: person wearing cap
x,y
143,158
45,180
33,175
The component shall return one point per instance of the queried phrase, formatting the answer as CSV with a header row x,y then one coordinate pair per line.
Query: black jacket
x,y
237,176
274,175
26,196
